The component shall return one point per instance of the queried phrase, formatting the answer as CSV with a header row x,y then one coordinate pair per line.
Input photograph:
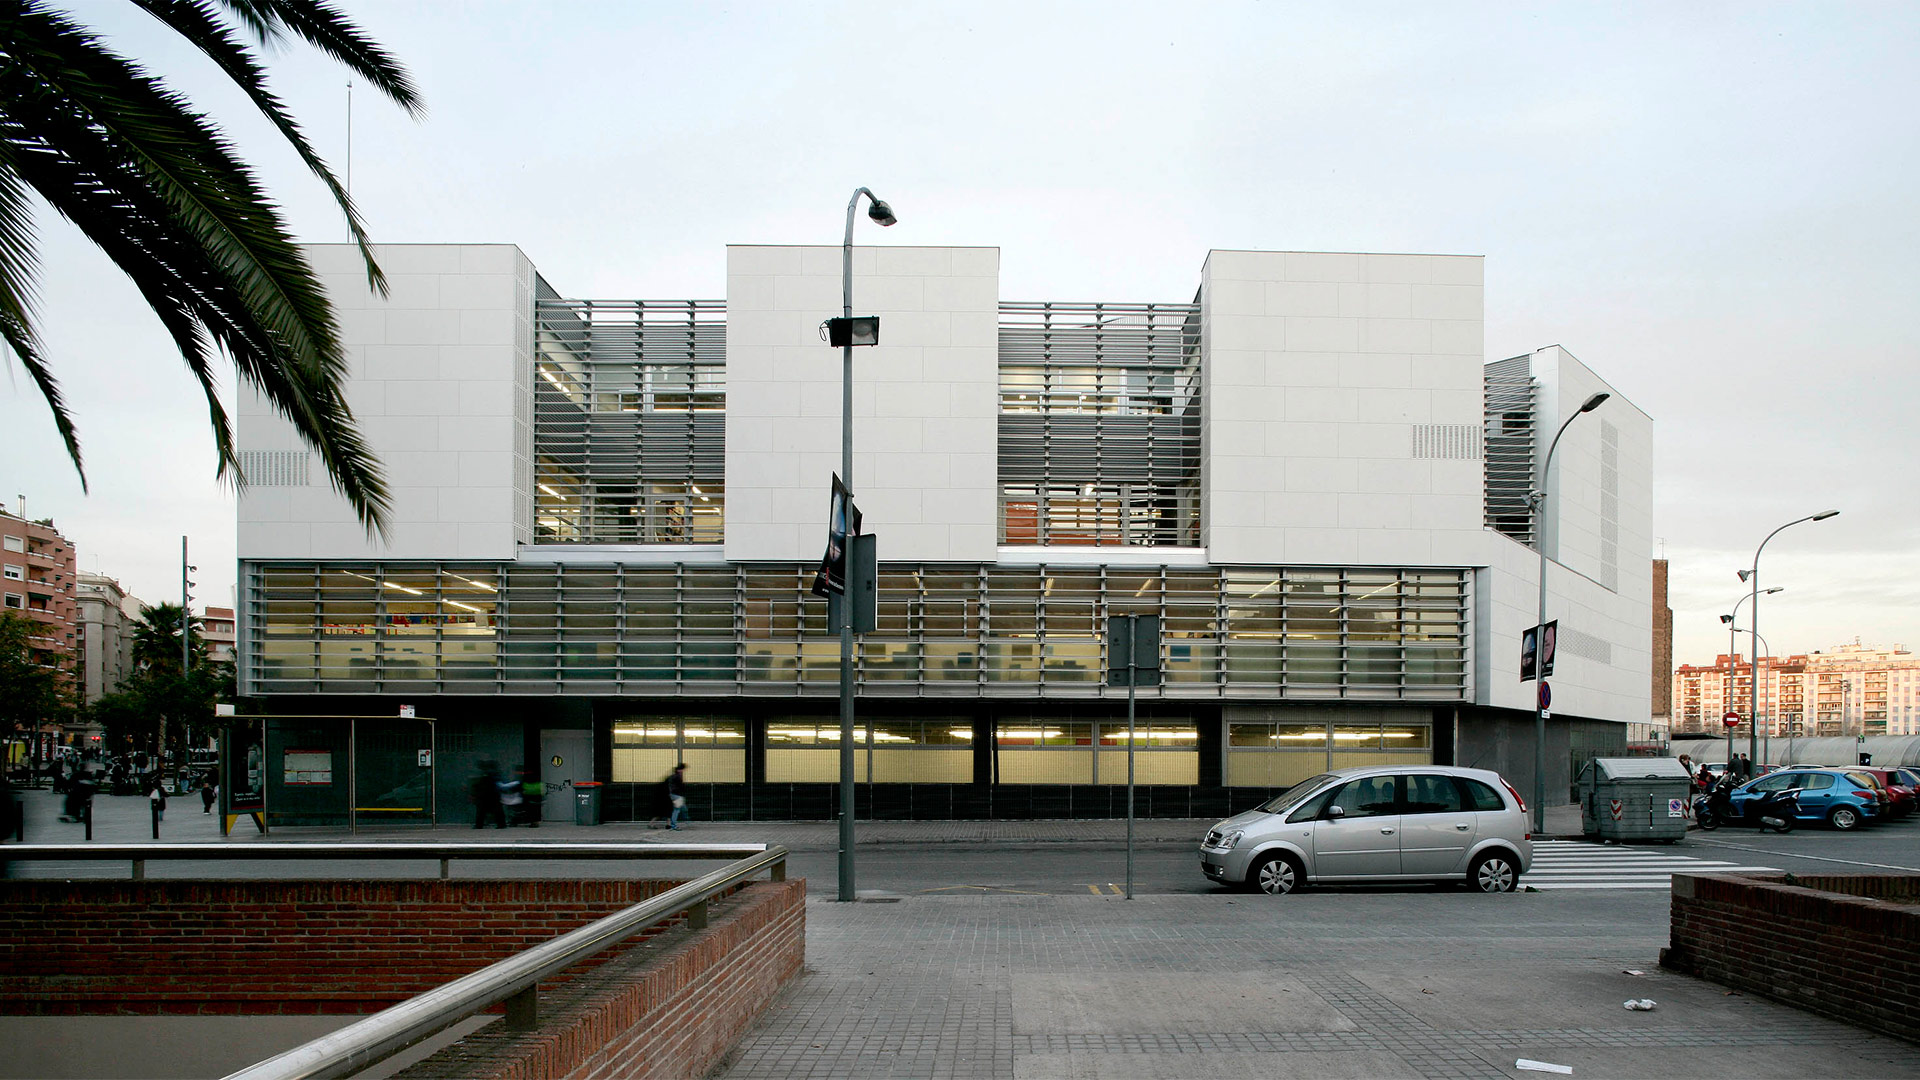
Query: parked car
x,y
1373,824
1843,798
1899,793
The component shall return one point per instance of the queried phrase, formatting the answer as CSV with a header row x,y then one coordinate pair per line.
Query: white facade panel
x,y
925,400
1350,340
436,385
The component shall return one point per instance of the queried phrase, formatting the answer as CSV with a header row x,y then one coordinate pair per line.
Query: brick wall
x,y
250,947
672,1010
1845,946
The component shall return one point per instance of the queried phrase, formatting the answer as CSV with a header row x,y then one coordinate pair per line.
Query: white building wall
x,y
1601,527
1321,368
438,382
925,400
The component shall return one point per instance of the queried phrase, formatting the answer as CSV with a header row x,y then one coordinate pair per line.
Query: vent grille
x,y
1610,506
1510,397
276,468
1100,424
1446,442
1586,646
629,432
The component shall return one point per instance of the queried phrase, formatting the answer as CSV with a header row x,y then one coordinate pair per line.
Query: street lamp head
x,y
1594,403
1726,618
1744,574
1775,589
1824,515
881,213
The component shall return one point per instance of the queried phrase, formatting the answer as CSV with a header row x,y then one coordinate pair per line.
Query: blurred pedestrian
x,y
208,792
485,790
677,795
533,797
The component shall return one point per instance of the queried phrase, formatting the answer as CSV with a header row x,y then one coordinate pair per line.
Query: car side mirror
x,y
1335,811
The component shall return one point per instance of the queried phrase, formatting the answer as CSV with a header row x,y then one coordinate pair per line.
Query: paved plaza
x,y
1324,983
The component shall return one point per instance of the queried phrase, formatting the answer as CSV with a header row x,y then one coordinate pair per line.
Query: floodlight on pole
x,y
869,334
1539,500
1753,576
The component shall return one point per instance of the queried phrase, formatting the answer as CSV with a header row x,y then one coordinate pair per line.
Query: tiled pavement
x,y
1392,984
1327,984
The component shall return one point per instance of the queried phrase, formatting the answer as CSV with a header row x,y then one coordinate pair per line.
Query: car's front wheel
x,y
1494,872
1275,875
1844,818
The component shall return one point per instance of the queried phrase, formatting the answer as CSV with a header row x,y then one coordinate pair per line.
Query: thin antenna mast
x,y
349,138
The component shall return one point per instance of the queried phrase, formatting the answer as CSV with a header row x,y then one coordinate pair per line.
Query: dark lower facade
x,y
339,760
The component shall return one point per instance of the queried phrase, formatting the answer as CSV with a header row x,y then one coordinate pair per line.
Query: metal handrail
x,y
140,854
513,980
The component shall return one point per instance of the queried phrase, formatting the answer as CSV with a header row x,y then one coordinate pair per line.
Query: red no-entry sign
x,y
1732,719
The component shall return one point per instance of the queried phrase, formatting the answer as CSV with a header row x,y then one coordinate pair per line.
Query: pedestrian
x,y
1686,766
208,793
1746,768
511,799
533,799
157,796
485,790
676,784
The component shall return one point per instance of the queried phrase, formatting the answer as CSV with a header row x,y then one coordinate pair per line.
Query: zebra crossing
x,y
1577,864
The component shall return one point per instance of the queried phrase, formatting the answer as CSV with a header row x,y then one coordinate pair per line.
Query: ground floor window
x,y
1276,754
930,750
1047,751
646,748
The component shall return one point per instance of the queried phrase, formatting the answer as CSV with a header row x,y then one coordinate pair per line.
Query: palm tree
x,y
156,638
159,188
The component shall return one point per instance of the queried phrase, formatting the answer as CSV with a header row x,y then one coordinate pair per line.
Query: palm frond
x,y
325,28
161,191
195,21
17,266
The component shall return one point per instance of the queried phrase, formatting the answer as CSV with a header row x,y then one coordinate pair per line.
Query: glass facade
x,y
963,631
1099,424
629,421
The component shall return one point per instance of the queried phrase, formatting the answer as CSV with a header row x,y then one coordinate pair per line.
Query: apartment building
x,y
1847,690
38,581
608,514
107,614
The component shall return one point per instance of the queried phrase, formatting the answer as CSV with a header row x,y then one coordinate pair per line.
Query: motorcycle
x,y
1775,810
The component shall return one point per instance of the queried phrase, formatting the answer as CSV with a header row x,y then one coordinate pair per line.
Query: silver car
x,y
1382,823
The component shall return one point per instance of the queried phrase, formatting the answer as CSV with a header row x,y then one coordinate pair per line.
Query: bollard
x,y
154,806
86,814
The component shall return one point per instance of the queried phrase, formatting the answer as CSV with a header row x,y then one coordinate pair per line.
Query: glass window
x,y
1313,808
14,543
15,573
1816,781
1370,796
1481,796
1427,794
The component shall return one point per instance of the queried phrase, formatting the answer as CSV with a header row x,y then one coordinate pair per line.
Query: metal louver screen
x,y
1100,424
629,421
1509,447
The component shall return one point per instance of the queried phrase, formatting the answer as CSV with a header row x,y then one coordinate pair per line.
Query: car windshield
x,y
1295,793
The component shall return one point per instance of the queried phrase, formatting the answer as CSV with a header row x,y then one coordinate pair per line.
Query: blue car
x,y
1842,798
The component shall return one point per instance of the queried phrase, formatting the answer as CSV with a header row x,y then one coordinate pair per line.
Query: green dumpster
x,y
1635,799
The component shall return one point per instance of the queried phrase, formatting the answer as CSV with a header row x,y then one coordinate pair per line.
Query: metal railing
x,y
514,980
141,854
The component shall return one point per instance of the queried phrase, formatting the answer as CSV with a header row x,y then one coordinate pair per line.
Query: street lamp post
x,y
882,214
1539,501
1731,649
1752,577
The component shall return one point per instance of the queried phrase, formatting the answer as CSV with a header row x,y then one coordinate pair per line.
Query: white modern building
x,y
607,515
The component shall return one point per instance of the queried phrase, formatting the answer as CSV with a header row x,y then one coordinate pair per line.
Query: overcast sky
x,y
1712,205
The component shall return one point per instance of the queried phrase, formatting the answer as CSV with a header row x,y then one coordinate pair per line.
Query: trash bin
x,y
1635,799
586,802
